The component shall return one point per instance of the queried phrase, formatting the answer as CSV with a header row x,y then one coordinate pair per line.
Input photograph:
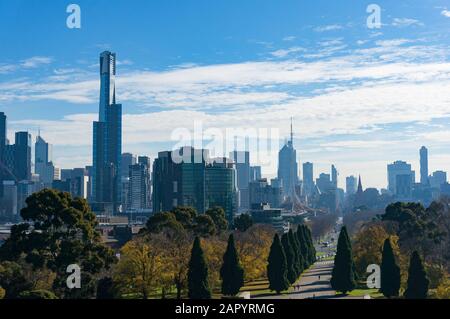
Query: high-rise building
x,y
308,178
334,176
424,166
3,135
220,185
437,179
288,167
187,177
324,183
43,165
351,185
22,156
242,163
260,192
127,160
399,168
137,187
107,139
179,179
255,173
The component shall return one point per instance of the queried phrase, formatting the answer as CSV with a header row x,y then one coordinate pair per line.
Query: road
x,y
311,287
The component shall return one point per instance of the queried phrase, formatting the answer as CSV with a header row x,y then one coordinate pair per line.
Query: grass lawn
x,y
373,293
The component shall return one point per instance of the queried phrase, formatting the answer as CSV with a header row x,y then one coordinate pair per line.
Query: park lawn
x,y
261,287
373,293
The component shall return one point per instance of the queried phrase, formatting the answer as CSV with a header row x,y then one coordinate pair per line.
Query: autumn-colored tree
x,y
139,269
253,247
367,245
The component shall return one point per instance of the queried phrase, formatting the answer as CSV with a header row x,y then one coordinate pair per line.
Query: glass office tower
x,y
107,139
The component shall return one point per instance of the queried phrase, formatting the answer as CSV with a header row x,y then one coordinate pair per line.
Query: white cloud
x,y
406,22
285,52
446,13
326,28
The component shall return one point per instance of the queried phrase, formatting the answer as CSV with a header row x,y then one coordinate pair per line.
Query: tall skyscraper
x,y
2,135
196,181
255,173
334,176
308,178
220,186
138,185
242,163
43,165
424,166
399,168
107,139
288,167
22,156
127,160
351,185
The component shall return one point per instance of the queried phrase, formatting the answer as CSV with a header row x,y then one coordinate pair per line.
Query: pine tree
x,y
290,258
343,275
303,246
310,243
198,273
277,267
298,263
390,272
231,273
417,279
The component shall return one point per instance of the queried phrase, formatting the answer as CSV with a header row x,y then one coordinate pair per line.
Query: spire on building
x,y
360,188
292,134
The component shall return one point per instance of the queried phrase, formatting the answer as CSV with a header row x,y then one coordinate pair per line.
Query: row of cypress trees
x,y
231,272
344,277
417,285
289,257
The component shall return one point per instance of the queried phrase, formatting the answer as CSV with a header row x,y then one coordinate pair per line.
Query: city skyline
x,y
311,67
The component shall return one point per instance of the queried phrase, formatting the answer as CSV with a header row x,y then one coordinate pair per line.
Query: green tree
x,y
217,214
185,215
13,279
418,282
277,267
59,231
198,284
37,294
159,222
390,272
298,261
290,258
243,222
343,276
231,273
304,251
204,226
310,244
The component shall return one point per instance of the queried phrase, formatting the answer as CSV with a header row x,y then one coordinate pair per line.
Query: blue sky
x,y
360,97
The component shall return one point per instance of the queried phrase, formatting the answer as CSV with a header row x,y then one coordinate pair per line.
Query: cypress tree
x,y
298,263
417,279
303,246
232,273
390,272
310,243
343,274
290,258
198,273
277,267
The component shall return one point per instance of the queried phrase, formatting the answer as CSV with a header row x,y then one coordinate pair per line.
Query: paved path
x,y
311,286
